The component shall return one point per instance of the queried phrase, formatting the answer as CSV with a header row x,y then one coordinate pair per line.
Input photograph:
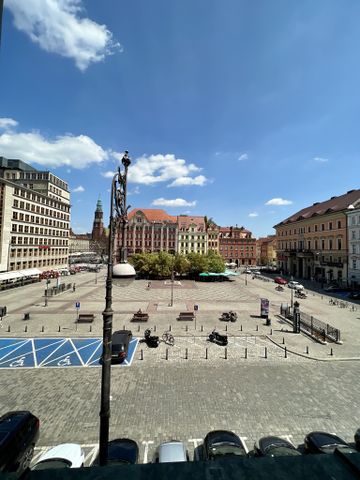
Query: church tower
x,y
98,225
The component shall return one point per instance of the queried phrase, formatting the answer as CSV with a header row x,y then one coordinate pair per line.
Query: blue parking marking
x,y
55,352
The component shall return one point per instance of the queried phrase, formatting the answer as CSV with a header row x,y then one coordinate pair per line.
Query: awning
x,y
30,272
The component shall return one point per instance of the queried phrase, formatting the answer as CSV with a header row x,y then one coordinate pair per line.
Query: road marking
x,y
91,455
33,351
14,350
92,356
52,353
76,351
288,438
146,449
18,363
244,443
64,362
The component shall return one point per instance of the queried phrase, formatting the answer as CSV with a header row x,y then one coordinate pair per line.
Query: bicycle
x,y
168,338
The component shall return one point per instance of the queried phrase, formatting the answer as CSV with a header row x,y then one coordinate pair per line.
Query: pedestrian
x,y
74,287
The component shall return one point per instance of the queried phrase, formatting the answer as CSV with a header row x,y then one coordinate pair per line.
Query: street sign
x,y
196,307
77,305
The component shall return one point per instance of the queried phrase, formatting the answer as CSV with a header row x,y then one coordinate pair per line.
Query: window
x,y
354,264
315,228
353,248
339,243
322,227
330,225
353,237
323,244
339,224
330,244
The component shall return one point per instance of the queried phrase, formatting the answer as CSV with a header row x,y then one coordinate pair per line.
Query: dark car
x,y
322,442
123,451
335,288
354,295
274,447
221,444
19,432
120,345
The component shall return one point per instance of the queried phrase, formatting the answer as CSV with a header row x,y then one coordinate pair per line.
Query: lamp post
x,y
172,287
118,214
47,292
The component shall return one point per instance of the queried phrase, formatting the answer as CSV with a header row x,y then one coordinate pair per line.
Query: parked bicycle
x,y
168,338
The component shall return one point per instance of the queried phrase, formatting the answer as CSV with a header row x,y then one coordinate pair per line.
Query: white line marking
x,y
91,356
33,351
17,342
195,441
146,449
288,438
52,353
93,452
76,351
244,443
14,350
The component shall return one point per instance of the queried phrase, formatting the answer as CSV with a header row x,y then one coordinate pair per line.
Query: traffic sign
x,y
77,305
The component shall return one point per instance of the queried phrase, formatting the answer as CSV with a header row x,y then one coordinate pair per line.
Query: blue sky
x,y
244,111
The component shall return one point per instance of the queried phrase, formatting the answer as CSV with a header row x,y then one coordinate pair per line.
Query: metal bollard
x,y
43,329
8,329
154,328
25,329
124,327
167,354
138,328
90,329
206,353
186,328
76,325
283,340
245,352
225,353
270,331
226,328
169,328
241,328
265,352
202,328
307,349
186,353
285,351
331,352
257,328
141,354
59,329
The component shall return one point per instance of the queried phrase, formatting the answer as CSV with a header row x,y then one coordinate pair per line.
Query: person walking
x,y
74,287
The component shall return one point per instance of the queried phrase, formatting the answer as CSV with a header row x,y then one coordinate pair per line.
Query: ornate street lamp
x,y
118,217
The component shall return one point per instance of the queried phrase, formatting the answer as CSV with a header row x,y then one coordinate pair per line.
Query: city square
x,y
187,390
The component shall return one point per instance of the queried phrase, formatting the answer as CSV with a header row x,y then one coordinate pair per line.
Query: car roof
x,y
173,451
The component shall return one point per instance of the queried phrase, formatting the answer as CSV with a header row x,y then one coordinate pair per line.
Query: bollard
x,y
169,328
283,340
124,327
76,325
245,352
186,353
59,329
141,354
265,352
43,329
257,328
285,350
206,353
186,328
138,328
25,329
202,328
8,329
307,350
167,354
90,329
226,328
154,328
241,328
225,353
270,331
331,352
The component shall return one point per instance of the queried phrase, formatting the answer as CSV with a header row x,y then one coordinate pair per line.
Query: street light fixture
x,y
118,215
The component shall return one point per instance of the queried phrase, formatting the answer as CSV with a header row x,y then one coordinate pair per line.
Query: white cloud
x,y
32,147
108,174
243,156
7,123
135,191
200,180
321,159
153,169
177,202
278,201
79,189
57,27
253,214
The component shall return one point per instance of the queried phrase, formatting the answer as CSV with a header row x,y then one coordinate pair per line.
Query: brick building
x,y
236,245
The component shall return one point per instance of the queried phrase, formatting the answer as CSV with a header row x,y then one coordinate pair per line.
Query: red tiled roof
x,y
153,215
334,204
187,220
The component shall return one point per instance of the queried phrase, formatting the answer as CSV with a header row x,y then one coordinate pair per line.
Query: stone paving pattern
x,y
157,399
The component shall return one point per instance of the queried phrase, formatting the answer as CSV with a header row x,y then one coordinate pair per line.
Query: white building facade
x,y
353,224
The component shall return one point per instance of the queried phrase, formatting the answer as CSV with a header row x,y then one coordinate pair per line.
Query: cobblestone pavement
x,y
187,395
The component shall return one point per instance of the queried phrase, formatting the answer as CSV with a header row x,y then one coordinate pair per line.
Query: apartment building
x,y
213,236
236,245
192,235
34,218
313,243
353,227
151,230
266,250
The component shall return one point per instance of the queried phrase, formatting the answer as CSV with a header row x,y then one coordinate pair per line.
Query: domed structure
x,y
123,270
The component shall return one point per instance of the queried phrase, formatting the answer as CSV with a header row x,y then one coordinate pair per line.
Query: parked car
x,y
173,451
19,432
334,288
120,345
274,447
355,295
256,272
66,455
295,285
322,442
280,280
222,443
357,439
247,270
123,451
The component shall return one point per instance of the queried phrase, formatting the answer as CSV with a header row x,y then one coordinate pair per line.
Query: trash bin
x,y
27,316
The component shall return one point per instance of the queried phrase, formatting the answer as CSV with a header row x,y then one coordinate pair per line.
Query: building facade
x,y
192,235
313,242
213,237
353,226
34,218
236,245
266,250
151,230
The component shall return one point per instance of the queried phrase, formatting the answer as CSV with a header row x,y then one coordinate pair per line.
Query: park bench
x,y
186,316
140,317
86,318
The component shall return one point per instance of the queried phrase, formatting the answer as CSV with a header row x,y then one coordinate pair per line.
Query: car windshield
x,y
226,448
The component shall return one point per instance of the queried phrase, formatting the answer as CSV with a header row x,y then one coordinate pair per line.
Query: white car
x,y
66,455
173,451
295,285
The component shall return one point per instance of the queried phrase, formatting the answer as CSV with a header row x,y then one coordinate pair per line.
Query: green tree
x,y
198,264
216,263
181,264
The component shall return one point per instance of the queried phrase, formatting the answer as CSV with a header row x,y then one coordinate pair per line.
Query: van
x,y
19,432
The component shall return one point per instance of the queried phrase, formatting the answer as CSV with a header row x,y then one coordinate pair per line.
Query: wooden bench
x,y
186,316
86,318
140,317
